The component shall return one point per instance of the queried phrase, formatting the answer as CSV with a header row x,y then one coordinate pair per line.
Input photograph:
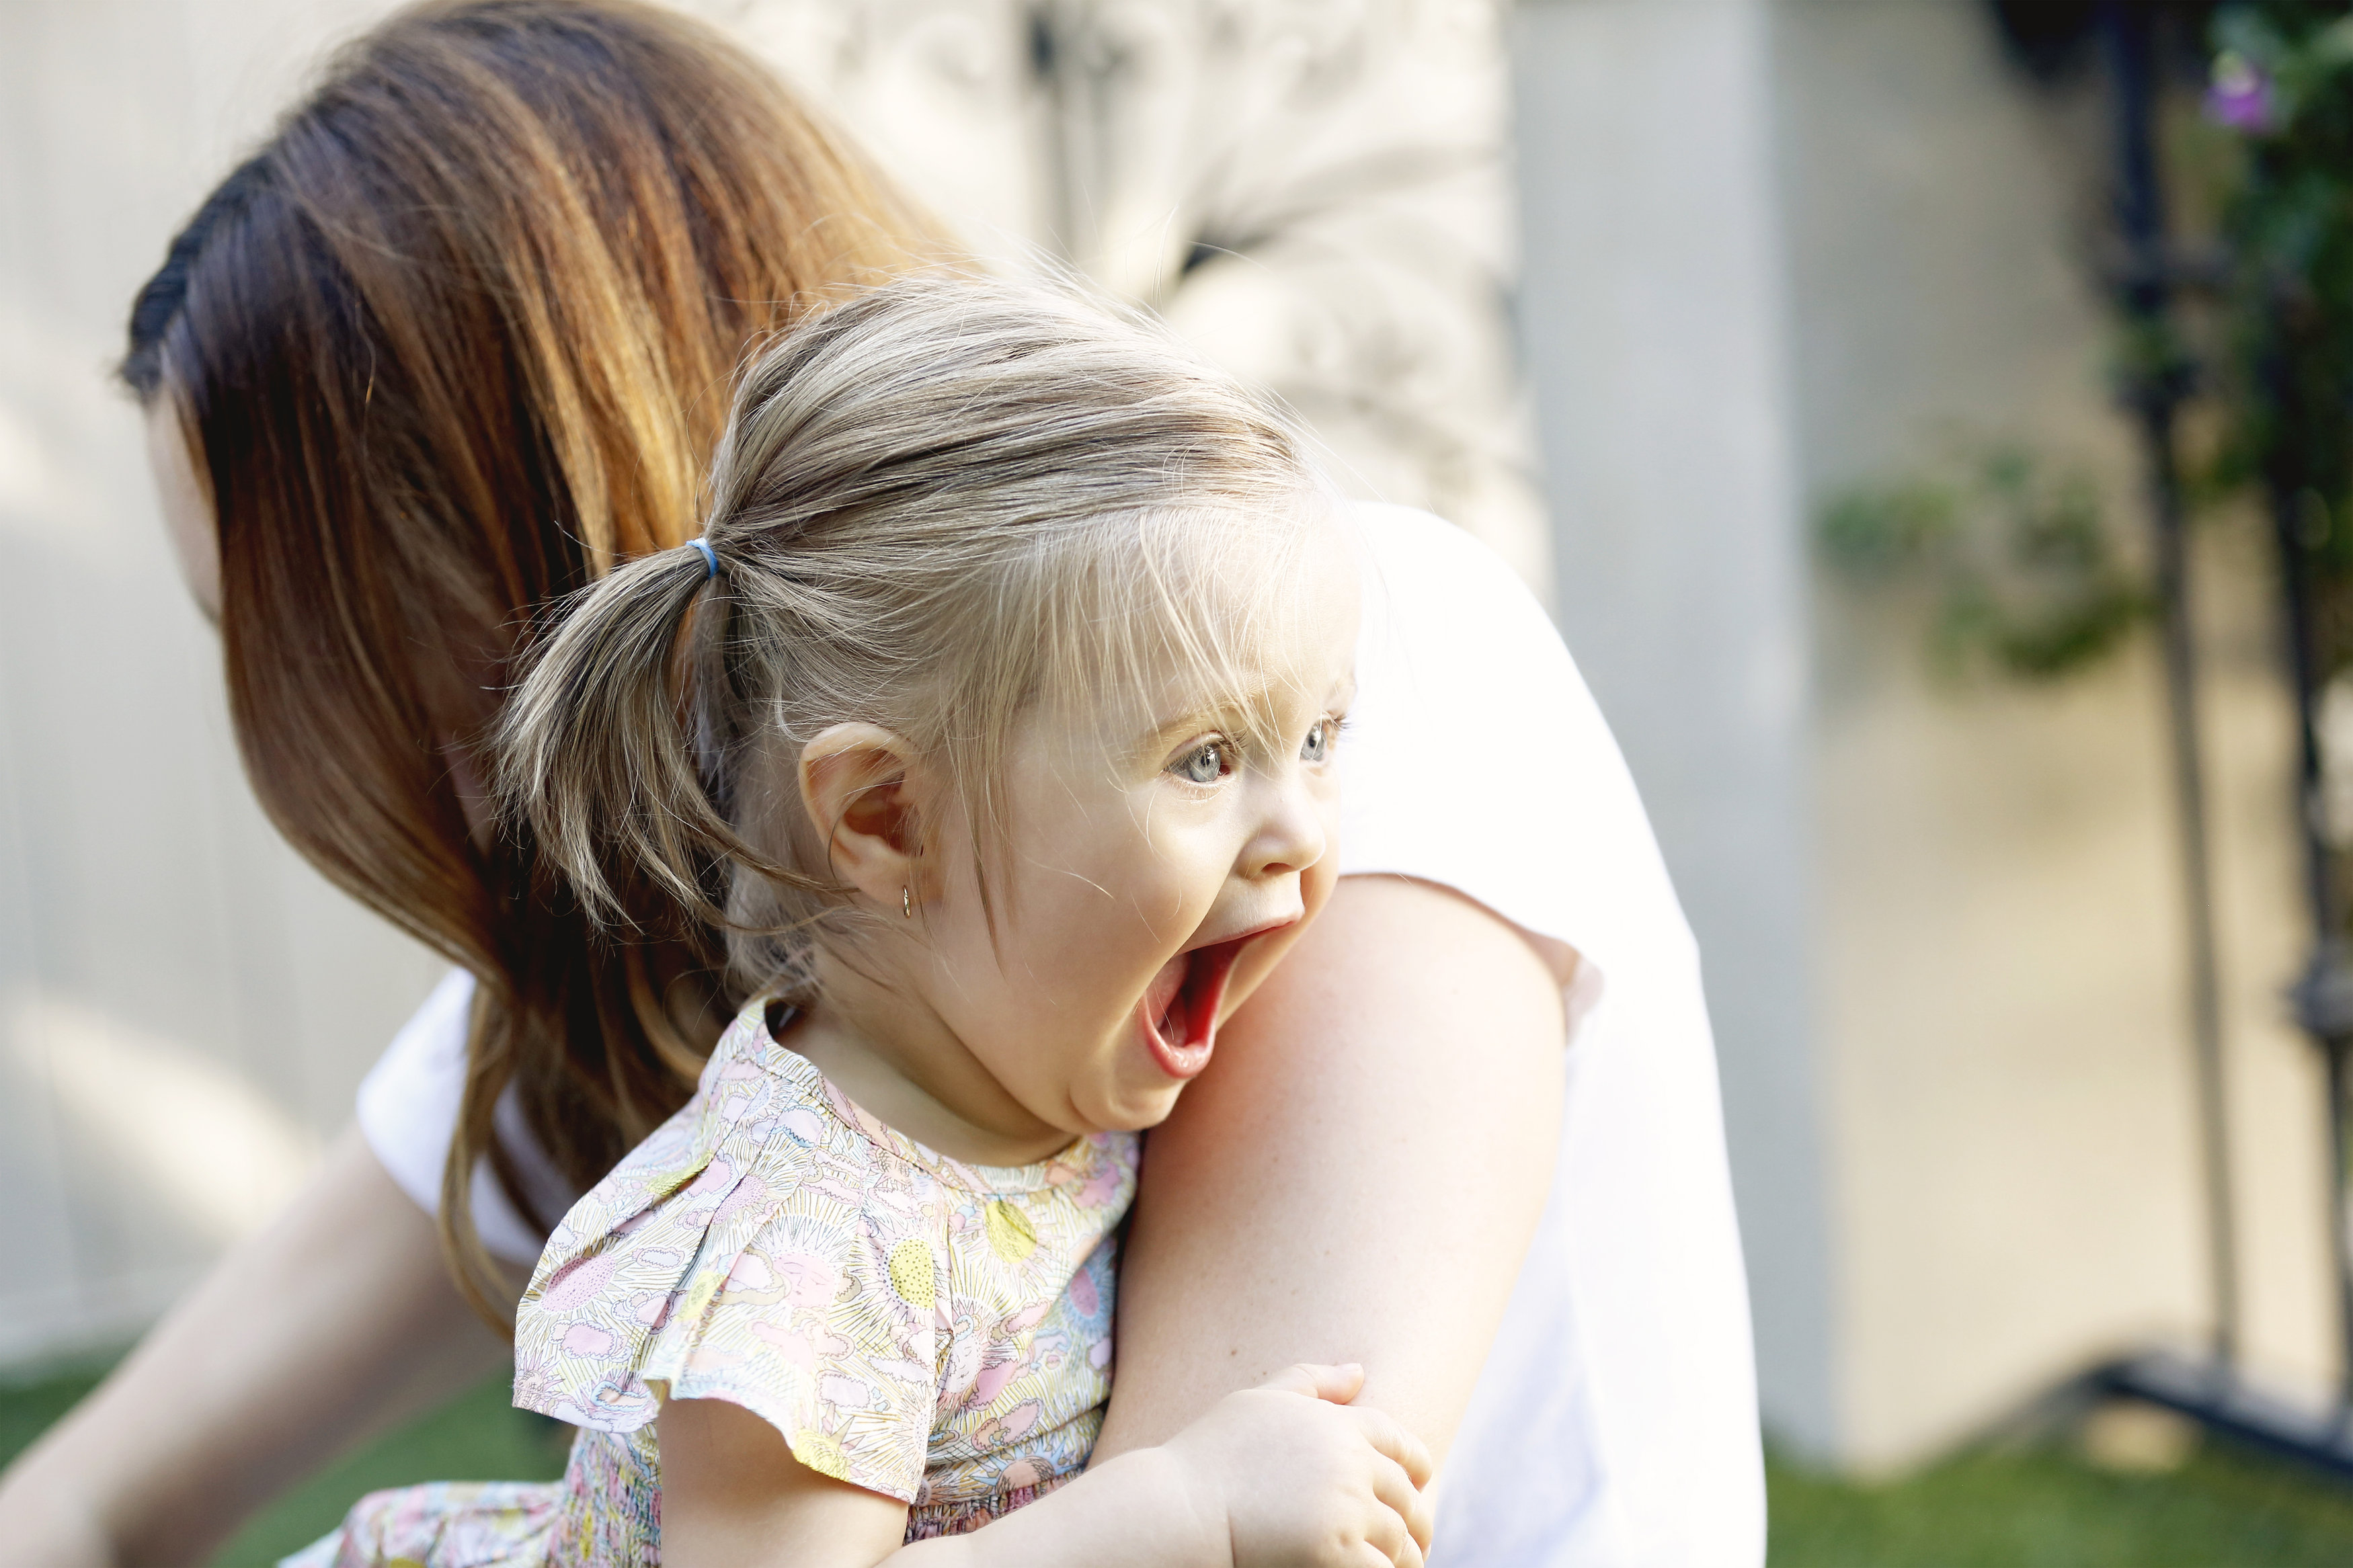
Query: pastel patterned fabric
x,y
935,1331
442,1522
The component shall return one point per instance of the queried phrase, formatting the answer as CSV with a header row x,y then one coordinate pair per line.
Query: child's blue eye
x,y
1204,764
1318,745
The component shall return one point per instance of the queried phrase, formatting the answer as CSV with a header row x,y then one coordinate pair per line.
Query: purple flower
x,y
2240,95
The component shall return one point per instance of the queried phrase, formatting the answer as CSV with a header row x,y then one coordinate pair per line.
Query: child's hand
x,y
1305,1479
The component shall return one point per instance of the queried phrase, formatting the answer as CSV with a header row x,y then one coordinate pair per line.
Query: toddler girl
x,y
993,717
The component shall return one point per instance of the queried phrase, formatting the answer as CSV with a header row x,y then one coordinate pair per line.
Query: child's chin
x,y
1139,1109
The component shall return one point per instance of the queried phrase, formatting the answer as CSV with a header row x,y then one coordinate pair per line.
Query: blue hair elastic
x,y
710,558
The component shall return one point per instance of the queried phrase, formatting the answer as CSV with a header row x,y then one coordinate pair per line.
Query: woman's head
x,y
1012,693
456,340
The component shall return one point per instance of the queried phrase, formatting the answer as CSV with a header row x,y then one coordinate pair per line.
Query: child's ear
x,y
857,786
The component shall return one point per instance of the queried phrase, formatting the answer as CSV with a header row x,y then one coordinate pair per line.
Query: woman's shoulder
x,y
1466,691
1451,631
1429,566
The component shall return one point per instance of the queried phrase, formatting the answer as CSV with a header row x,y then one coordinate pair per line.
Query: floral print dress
x,y
934,1332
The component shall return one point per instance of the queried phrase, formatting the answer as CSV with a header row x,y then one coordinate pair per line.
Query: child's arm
x,y
733,1496
1282,1476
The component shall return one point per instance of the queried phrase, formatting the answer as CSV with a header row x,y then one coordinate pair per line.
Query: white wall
x,y
1654,315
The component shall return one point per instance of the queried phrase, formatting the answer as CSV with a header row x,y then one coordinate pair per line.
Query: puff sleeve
x,y
755,1250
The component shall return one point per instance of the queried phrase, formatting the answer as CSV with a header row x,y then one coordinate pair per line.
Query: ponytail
x,y
613,757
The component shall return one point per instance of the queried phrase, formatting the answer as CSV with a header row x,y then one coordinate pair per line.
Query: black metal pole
x,y
2153,390
2336,1046
2324,997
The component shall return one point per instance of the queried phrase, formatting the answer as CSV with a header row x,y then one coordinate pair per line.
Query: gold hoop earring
x,y
907,903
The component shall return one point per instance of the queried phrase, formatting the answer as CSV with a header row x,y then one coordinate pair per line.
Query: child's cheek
x,y
1315,883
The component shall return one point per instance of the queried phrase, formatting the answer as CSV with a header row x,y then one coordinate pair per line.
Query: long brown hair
x,y
453,343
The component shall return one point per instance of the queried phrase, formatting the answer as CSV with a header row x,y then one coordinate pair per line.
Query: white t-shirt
x,y
1615,1422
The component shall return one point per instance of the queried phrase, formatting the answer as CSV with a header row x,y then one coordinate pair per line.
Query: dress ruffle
x,y
929,1330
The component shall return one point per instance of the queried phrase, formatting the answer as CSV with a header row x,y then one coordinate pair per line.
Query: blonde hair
x,y
937,507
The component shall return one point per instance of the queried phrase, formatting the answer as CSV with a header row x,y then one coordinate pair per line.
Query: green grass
x,y
2047,1508
2032,1508
475,1436
28,1406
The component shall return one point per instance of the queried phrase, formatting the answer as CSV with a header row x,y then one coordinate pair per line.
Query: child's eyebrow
x,y
1255,696
1248,703
1183,726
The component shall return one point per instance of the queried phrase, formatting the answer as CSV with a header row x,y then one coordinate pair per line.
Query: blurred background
x,y
1860,382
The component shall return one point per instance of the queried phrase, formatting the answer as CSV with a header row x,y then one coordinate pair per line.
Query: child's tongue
x,y
1161,995
1180,1009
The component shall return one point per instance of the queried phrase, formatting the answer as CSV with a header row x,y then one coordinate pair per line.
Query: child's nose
x,y
1292,838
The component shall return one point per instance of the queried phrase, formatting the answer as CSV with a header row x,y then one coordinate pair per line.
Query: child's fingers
x,y
1421,1523
1398,1493
1372,1554
1385,1540
1337,1384
1386,1437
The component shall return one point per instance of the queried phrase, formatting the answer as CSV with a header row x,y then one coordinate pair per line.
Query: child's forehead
x,y
1292,657
1242,594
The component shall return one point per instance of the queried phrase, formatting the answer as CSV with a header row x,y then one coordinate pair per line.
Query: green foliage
x,y
2017,561
2282,89
2022,578
2288,53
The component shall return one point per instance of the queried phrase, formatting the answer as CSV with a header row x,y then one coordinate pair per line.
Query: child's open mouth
x,y
1179,1011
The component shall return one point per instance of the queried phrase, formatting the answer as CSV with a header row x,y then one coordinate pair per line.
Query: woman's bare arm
x,y
1357,1176
334,1322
